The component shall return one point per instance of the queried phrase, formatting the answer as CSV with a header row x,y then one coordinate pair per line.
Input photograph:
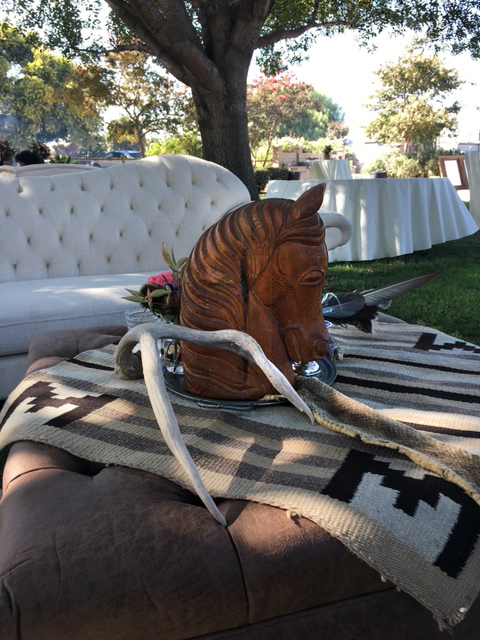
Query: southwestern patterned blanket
x,y
391,468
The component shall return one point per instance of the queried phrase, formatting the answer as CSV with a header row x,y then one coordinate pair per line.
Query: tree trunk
x,y
140,140
223,124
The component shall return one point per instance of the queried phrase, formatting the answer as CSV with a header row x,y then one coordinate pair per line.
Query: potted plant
x,y
327,151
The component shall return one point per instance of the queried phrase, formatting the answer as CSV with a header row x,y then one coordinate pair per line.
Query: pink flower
x,y
162,278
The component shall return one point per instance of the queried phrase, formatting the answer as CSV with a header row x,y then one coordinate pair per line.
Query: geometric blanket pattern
x,y
402,493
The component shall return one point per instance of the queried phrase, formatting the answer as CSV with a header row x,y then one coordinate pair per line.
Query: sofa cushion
x,y
36,306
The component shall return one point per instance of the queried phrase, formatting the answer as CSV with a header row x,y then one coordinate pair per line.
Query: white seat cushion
x,y
35,306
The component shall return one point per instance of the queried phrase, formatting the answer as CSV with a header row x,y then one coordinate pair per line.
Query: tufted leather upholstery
x,y
89,552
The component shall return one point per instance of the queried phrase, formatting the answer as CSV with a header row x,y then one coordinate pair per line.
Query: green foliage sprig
x,y
62,159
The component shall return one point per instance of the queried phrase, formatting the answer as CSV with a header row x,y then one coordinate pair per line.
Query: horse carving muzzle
x,y
304,344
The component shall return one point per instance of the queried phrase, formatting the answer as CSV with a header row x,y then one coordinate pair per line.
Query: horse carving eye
x,y
312,278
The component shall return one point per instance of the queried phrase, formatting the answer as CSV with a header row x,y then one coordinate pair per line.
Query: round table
x,y
390,217
331,169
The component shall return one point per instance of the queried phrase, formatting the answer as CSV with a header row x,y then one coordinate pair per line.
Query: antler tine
x,y
165,416
128,366
238,342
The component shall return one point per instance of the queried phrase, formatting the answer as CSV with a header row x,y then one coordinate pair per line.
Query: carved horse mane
x,y
231,282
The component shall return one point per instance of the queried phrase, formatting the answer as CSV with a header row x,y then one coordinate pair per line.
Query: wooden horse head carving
x,y
261,270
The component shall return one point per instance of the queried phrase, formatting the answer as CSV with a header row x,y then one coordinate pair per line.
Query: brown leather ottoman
x,y
90,552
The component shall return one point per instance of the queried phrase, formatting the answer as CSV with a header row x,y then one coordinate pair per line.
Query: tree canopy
x,y
150,100
208,45
272,102
321,114
412,104
42,95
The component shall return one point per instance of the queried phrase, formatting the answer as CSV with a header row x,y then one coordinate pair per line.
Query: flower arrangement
x,y
6,151
161,294
40,149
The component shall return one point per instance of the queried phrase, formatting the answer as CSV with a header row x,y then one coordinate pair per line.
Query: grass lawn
x,y
451,303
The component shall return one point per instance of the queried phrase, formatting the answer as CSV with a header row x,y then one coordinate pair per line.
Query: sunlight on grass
x,y
451,303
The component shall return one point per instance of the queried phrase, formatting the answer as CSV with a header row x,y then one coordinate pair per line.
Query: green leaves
x,y
412,104
177,268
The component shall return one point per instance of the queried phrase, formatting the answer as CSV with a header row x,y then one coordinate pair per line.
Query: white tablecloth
x,y
472,164
389,216
331,169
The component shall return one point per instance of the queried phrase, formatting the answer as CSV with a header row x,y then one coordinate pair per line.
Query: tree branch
x,y
173,41
122,9
286,34
250,19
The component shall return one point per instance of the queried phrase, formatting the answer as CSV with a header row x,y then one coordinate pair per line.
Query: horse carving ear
x,y
309,202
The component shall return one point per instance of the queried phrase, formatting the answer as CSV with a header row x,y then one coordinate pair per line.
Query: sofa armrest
x,y
338,229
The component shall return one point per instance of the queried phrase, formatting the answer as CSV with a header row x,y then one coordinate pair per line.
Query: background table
x,y
331,169
389,217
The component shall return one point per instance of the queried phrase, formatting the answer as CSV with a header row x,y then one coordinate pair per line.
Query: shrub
x,y
262,176
278,173
188,143
289,144
397,165
6,151
40,149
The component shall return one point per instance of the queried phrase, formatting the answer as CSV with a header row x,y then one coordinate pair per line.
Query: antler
x,y
129,366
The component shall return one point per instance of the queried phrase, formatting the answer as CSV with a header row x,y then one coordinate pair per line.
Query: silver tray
x,y
175,382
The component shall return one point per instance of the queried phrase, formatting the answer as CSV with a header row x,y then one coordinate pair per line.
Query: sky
x,y
344,71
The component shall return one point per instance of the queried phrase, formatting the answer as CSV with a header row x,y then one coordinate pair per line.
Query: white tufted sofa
x,y
71,244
